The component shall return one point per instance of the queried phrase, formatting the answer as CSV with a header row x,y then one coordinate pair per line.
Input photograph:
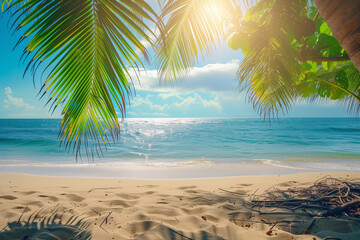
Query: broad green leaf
x,y
324,28
239,41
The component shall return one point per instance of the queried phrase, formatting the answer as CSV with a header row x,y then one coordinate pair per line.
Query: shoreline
x,y
195,169
123,209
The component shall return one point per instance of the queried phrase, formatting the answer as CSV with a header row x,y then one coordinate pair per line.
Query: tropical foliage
x,y
88,46
192,29
290,52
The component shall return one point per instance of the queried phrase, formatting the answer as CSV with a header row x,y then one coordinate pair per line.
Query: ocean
x,y
188,148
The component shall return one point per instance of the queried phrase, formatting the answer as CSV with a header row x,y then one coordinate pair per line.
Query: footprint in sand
x,y
141,227
147,186
127,196
27,193
52,198
194,211
191,191
186,187
8,197
149,193
35,203
199,200
165,211
245,184
119,203
74,197
25,209
287,184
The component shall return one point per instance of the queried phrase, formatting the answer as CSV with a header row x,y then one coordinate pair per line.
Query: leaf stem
x,y
343,89
324,59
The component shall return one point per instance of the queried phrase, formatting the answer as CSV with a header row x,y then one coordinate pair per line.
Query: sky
x,y
209,90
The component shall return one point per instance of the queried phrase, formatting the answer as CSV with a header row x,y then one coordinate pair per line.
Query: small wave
x,y
340,129
300,160
315,165
27,142
114,164
276,163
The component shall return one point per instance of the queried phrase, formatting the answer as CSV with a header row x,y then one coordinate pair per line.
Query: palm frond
x,y
193,28
88,46
4,4
268,74
270,70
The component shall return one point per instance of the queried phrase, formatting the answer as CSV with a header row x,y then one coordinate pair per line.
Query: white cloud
x,y
168,95
11,101
139,101
197,99
142,114
219,77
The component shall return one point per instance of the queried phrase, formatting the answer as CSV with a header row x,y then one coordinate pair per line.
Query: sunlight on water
x,y
299,143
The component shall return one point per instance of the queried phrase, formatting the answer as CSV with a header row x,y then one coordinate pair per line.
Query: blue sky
x,y
209,90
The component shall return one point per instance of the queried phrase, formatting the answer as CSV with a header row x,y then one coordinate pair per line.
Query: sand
x,y
38,207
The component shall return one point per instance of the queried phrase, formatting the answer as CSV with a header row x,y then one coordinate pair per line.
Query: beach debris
x,y
301,210
96,212
270,231
204,218
105,221
307,230
327,197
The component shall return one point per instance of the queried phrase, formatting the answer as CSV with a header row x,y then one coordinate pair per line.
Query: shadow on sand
x,y
48,227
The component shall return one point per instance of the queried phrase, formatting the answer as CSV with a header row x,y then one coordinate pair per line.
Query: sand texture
x,y
37,207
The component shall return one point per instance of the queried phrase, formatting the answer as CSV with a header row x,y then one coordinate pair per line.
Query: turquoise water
x,y
222,147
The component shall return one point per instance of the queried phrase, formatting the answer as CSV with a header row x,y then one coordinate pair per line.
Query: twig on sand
x,y
311,224
253,194
273,225
341,208
180,234
105,220
330,195
96,212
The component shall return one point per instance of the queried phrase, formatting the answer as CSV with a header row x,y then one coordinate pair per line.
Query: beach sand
x,y
38,207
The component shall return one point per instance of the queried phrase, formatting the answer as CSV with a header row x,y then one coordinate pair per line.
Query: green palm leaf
x,y
193,28
270,71
88,46
268,74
